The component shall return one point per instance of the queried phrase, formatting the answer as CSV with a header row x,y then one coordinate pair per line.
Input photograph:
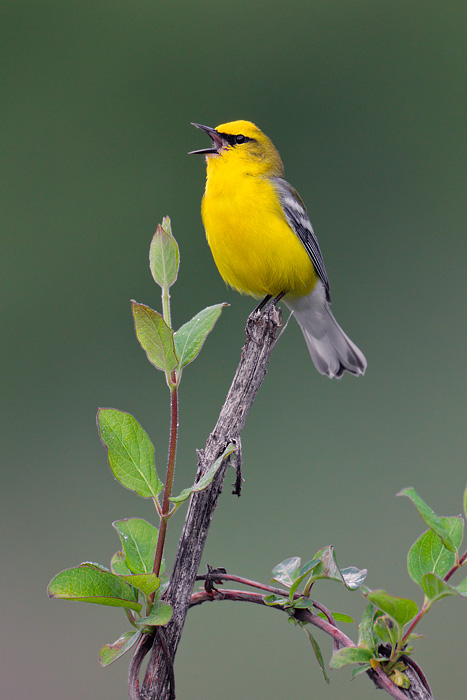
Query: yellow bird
x,y
263,243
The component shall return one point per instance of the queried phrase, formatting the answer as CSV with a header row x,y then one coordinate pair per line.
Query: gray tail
x,y
331,350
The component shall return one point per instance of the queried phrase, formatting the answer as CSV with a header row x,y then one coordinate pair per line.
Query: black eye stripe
x,y
235,139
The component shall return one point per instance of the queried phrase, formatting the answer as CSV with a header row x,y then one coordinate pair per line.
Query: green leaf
x,y
350,655
155,337
429,555
164,257
430,517
109,653
400,679
351,577
139,541
465,502
402,610
160,614
93,585
274,599
359,670
287,571
146,583
167,225
301,602
190,337
365,629
118,565
318,654
130,452
207,477
304,573
338,617
387,629
435,588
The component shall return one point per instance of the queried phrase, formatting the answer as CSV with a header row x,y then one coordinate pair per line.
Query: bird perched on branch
x,y
263,243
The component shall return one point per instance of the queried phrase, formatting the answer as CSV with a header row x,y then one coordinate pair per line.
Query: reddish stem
x,y
246,582
461,561
170,474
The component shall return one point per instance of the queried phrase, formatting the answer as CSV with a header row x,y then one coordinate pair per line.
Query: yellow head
x,y
241,145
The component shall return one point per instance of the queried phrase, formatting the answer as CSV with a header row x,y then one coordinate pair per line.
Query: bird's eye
x,y
240,138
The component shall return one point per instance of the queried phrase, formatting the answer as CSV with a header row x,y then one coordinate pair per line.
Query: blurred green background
x,y
366,103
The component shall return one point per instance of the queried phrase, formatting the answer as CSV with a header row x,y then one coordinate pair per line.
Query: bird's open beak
x,y
216,140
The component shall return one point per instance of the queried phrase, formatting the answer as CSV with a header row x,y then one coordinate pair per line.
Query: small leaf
x,y
350,655
329,567
400,679
435,588
118,565
305,603
189,339
338,617
318,654
402,610
387,629
130,452
164,256
353,577
304,573
139,541
365,629
274,599
429,555
146,583
207,477
155,337
430,517
93,585
359,670
412,637
109,653
398,676
160,614
287,571
167,225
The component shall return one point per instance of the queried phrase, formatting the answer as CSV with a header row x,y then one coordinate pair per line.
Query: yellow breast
x,y
253,246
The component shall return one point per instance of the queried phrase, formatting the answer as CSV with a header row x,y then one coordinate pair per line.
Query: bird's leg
x,y
262,304
278,298
265,301
256,314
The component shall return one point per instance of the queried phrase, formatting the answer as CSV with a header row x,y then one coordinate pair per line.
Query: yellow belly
x,y
254,248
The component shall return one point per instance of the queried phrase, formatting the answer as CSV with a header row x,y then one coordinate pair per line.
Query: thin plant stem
x,y
461,561
170,475
166,305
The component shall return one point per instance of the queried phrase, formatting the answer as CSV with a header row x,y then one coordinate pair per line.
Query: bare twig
x,y
260,342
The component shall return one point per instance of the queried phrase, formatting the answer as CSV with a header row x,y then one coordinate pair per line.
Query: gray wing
x,y
298,220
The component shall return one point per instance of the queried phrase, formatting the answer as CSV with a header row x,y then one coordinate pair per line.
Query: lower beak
x,y
216,140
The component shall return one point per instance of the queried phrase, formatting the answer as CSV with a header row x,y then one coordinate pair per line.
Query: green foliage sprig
x,y
136,580
388,623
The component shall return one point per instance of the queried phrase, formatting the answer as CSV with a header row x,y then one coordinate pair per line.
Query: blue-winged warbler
x,y
263,243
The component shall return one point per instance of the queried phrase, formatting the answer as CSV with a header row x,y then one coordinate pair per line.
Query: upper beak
x,y
216,140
